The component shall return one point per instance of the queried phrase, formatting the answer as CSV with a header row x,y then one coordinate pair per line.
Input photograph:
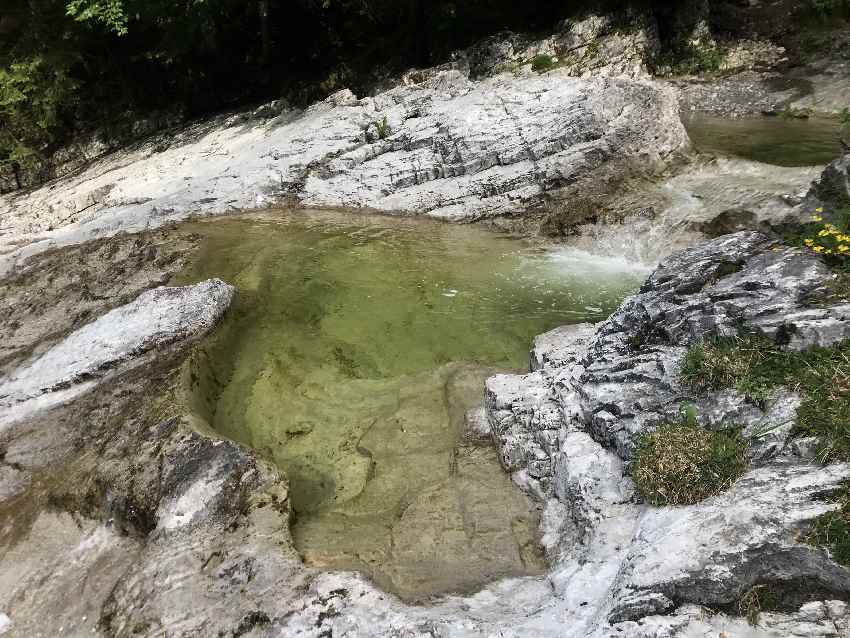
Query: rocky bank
x,y
165,529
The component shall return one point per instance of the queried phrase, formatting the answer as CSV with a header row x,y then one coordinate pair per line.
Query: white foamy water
x,y
700,193
595,265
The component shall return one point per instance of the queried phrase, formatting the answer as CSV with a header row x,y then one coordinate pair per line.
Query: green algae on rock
x,y
355,348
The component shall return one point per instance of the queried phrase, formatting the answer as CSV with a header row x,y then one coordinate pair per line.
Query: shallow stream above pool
x,y
776,140
354,350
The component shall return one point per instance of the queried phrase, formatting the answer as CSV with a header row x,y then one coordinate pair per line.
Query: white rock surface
x,y
456,149
156,318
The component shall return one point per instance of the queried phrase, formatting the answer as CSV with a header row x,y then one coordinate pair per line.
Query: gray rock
x,y
155,319
729,221
456,149
560,347
832,190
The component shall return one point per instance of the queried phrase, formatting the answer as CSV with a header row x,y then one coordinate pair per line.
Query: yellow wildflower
x,y
823,233
843,248
818,249
817,218
809,242
819,209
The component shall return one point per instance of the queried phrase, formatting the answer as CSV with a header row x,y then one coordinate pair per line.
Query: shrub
x,y
681,464
687,58
542,63
827,8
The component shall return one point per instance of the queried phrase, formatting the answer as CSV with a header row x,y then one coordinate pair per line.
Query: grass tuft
x,y
754,600
757,368
832,530
682,464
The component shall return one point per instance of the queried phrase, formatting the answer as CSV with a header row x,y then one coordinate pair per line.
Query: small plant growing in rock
x,y
829,239
683,463
542,63
754,601
727,363
832,530
844,116
382,128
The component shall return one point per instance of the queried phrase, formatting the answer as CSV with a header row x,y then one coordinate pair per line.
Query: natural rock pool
x,y
353,352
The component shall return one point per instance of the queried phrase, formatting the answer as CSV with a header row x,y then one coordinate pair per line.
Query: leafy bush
x,y
827,8
681,464
689,59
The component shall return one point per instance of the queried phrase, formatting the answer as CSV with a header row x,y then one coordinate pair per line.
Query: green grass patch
x,y
542,63
757,368
682,463
832,530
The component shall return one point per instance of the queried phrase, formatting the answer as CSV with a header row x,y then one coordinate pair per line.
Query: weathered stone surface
x,y
560,347
156,318
454,149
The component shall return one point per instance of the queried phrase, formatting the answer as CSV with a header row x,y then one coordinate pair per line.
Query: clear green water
x,y
771,140
352,353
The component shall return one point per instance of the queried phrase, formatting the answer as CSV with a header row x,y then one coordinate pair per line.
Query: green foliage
x,y
831,240
34,95
844,116
757,368
110,13
689,59
832,530
828,8
682,463
542,63
382,128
